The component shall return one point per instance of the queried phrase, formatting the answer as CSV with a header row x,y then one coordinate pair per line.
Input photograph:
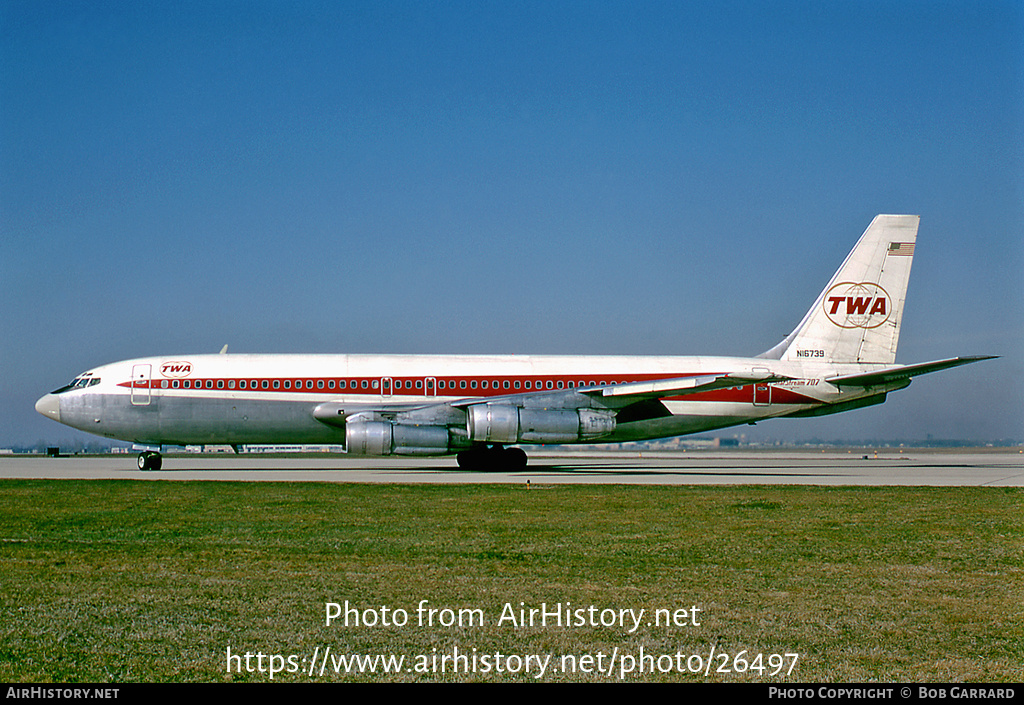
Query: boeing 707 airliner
x,y
841,356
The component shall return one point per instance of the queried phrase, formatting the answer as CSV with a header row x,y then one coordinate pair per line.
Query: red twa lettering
x,y
858,305
176,368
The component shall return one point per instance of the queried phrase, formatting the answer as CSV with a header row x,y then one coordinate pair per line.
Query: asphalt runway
x,y
893,467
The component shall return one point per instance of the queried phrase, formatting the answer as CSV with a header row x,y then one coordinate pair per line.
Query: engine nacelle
x,y
504,423
386,438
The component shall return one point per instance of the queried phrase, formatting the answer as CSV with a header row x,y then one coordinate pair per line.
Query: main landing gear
x,y
150,460
492,459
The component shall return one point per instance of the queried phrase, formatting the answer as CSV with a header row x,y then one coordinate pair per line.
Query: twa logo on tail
x,y
857,305
176,368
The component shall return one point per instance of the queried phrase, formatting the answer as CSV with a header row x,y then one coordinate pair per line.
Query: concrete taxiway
x,y
893,467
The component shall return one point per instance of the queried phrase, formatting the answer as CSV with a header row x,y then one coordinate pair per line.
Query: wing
x,y
641,397
681,386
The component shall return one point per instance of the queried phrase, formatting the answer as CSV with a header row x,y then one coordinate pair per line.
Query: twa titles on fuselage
x,y
841,356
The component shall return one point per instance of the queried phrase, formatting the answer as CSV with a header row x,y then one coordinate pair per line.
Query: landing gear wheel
x,y
493,459
472,459
150,460
515,458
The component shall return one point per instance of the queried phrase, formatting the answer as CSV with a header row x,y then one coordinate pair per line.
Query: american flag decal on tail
x,y
904,249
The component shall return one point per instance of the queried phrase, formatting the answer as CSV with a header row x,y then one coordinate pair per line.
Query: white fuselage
x,y
273,399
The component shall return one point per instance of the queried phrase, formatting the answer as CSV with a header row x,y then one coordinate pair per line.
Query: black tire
x,y
150,460
496,459
515,459
471,459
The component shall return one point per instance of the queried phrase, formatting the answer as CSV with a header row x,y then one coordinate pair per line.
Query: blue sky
x,y
525,177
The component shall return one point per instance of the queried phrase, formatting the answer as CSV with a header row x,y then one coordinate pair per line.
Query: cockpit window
x,y
79,382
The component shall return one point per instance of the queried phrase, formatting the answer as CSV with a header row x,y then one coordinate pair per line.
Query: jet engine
x,y
386,438
504,423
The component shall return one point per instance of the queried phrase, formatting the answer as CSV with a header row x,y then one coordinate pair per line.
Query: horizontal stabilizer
x,y
894,374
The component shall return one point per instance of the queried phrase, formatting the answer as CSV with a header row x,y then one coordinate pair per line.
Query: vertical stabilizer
x,y
856,318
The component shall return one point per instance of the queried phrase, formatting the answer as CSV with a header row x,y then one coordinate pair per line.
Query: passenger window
x,y
241,384
174,384
277,384
265,384
209,384
365,384
462,384
287,384
320,384
220,384
472,384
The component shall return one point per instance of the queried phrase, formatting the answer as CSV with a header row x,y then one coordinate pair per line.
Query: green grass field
x,y
155,581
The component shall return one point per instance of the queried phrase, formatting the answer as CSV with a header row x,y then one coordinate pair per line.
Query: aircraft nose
x,y
49,406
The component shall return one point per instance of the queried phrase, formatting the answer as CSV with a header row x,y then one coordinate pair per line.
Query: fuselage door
x,y
762,390
431,384
385,387
141,376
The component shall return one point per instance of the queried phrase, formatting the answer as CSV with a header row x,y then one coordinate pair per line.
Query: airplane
x,y
484,408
